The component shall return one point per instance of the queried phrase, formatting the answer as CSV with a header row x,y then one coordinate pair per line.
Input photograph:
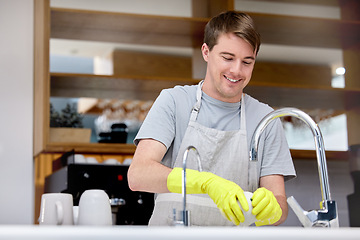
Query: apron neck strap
x,y
242,113
196,107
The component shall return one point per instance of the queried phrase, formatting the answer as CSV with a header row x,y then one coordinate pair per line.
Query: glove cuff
x,y
194,181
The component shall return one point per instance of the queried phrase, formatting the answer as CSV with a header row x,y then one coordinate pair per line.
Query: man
x,y
218,119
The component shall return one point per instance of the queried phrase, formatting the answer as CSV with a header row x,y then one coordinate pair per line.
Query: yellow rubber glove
x,y
224,193
265,207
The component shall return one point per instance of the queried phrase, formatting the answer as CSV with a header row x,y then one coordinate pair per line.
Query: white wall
x,y
306,188
16,112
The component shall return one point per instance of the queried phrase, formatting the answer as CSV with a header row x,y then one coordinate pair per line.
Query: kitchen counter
x,y
36,232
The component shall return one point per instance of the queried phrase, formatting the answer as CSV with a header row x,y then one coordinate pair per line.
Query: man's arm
x,y
276,184
146,173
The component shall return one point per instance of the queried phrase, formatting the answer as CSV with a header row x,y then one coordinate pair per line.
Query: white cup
x,y
76,214
56,209
94,208
127,162
249,217
111,161
91,160
79,159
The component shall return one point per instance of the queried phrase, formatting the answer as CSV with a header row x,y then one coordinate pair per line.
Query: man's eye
x,y
247,63
227,58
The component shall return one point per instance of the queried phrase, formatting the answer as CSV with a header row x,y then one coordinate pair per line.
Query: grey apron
x,y
224,153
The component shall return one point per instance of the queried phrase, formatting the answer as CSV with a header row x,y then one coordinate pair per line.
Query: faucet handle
x,y
326,217
300,212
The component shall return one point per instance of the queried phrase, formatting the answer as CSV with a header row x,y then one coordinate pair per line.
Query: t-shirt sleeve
x,y
159,123
276,157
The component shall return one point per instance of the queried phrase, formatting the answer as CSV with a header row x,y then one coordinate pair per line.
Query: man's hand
x,y
265,207
224,193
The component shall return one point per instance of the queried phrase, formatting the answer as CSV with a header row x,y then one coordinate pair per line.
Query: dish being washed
x,y
249,217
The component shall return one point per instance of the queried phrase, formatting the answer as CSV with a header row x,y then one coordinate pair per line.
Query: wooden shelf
x,y
306,31
126,28
303,96
146,88
101,148
105,86
188,32
311,154
129,149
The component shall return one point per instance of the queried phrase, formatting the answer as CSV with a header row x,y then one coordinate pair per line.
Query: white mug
x,y
94,208
76,214
56,209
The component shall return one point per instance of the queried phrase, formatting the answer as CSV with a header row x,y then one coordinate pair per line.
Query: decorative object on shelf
x,y
118,134
67,126
69,117
127,109
118,118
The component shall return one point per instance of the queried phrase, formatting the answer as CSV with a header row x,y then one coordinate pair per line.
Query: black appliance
x,y
118,134
128,207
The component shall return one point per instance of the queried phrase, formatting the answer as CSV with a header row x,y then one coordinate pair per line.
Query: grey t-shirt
x,y
168,118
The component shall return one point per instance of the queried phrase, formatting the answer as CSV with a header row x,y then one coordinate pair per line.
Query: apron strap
x,y
242,114
196,107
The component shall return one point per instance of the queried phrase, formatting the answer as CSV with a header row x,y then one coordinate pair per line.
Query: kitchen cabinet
x,y
181,32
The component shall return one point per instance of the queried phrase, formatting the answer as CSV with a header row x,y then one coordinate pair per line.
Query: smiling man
x,y
230,65
218,119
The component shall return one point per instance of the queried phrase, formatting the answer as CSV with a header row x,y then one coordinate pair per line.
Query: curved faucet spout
x,y
185,214
327,215
184,171
319,143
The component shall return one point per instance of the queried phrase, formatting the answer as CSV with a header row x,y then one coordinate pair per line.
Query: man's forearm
x,y
146,173
284,207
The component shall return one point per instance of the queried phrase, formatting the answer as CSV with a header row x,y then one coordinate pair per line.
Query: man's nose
x,y
236,68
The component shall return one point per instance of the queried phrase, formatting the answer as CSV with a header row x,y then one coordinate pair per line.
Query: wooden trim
x,y
129,149
100,148
311,155
41,74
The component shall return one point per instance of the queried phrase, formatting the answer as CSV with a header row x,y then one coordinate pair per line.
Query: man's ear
x,y
205,52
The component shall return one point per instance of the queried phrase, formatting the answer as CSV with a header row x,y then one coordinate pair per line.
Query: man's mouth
x,y
231,80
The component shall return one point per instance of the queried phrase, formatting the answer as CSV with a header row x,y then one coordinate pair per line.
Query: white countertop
x,y
36,232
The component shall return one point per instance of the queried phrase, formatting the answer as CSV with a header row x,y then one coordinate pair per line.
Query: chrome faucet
x,y
185,214
326,216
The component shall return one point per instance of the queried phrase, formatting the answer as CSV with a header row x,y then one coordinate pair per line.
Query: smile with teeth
x,y
231,80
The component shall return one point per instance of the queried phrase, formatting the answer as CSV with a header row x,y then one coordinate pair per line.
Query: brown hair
x,y
238,23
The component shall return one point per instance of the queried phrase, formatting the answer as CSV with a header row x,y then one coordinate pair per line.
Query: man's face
x,y
229,67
